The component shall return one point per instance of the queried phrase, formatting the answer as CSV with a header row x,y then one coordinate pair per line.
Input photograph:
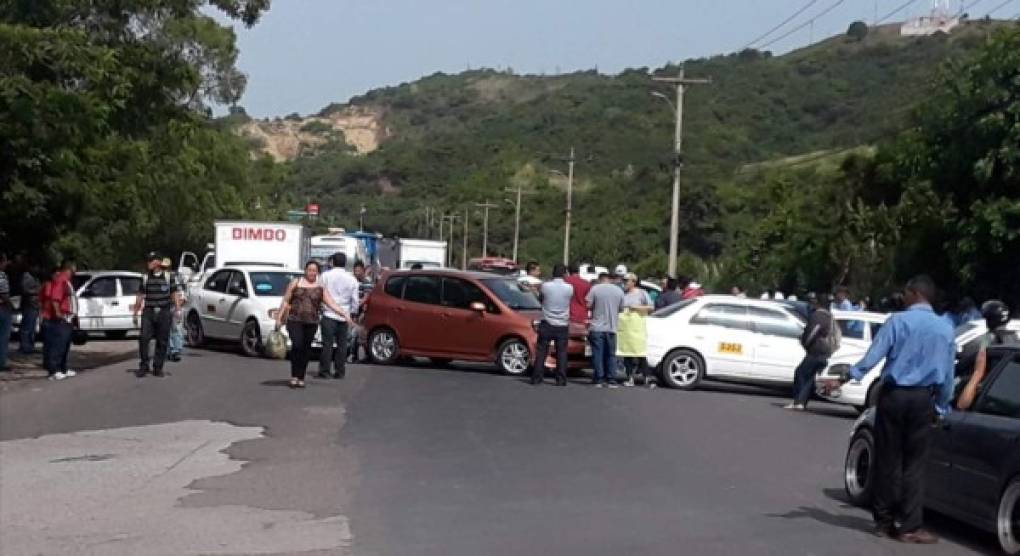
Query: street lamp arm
x,y
665,98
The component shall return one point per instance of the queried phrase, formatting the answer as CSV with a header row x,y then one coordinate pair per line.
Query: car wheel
x,y
196,336
441,361
858,470
383,347
251,339
683,369
1008,522
513,357
115,334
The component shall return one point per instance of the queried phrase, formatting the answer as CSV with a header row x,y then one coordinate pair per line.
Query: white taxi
x,y
237,303
862,395
727,338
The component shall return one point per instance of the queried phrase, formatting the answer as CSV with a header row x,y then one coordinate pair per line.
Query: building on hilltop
x,y
940,19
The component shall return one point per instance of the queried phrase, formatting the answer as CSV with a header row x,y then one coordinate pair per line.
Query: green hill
x,y
453,140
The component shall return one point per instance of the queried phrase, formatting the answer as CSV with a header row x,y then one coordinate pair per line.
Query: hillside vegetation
x,y
459,139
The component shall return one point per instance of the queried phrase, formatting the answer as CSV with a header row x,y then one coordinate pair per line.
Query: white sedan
x,y
729,338
863,394
237,303
104,299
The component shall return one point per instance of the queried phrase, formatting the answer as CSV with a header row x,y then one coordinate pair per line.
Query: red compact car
x,y
448,315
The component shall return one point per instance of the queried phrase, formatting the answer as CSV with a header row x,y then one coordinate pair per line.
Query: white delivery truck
x,y
336,241
426,252
238,242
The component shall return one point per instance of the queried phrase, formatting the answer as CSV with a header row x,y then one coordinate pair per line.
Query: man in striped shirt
x,y
156,301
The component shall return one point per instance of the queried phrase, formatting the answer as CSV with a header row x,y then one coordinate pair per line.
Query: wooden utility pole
x,y
517,214
449,251
570,206
485,225
681,81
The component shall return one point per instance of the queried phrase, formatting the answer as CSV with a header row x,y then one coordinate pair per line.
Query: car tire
x,y
513,357
251,339
383,346
1008,521
115,334
859,467
683,369
193,327
441,361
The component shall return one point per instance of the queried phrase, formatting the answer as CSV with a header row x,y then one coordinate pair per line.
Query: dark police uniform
x,y
157,317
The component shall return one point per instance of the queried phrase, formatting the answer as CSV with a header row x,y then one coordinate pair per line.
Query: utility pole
x,y
681,81
449,251
517,214
485,225
464,258
570,201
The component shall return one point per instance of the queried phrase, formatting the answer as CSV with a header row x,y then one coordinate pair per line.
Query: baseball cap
x,y
621,270
153,256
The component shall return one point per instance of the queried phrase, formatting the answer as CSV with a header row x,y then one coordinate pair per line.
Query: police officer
x,y
996,315
156,301
917,380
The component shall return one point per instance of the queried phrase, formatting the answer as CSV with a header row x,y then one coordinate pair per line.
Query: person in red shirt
x,y
578,303
57,308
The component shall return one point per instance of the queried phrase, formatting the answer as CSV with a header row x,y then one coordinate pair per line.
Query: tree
x,y
857,31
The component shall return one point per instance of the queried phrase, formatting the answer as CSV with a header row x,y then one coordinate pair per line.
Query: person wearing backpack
x,y
821,338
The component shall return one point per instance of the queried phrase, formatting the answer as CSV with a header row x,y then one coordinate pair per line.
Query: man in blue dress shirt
x,y
917,380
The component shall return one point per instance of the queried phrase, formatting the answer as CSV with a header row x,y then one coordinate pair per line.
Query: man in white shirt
x,y
342,286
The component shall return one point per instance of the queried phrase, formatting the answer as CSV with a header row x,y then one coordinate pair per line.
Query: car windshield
x,y
511,293
670,309
271,284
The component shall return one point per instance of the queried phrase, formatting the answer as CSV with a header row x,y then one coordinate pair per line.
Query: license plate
x,y
727,347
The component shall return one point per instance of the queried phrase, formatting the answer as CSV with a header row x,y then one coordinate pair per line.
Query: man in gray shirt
x,y
606,302
555,326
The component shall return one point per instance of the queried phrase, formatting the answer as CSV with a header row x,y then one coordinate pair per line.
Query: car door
x,y
420,325
123,314
777,349
985,438
234,304
722,333
473,333
97,303
211,306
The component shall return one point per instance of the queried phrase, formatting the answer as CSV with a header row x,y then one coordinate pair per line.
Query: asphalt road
x,y
222,458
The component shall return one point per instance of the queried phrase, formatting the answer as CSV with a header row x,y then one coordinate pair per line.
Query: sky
x,y
305,54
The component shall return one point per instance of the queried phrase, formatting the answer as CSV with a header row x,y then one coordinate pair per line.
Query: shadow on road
x,y
284,382
851,522
836,412
954,531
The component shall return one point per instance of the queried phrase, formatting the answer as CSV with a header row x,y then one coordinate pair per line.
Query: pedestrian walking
x,y
157,300
354,334
30,288
916,385
342,288
820,339
58,308
555,295
632,334
6,312
671,295
300,308
605,300
176,345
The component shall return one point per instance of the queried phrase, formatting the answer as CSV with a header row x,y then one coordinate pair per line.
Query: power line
x,y
802,25
784,22
998,7
970,5
902,7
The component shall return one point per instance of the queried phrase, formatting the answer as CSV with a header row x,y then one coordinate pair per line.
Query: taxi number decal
x,y
725,347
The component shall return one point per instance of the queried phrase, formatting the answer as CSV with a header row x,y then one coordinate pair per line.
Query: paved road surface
x,y
223,458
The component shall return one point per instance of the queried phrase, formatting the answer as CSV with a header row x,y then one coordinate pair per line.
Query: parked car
x,y
237,303
728,338
973,469
104,297
448,315
862,395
